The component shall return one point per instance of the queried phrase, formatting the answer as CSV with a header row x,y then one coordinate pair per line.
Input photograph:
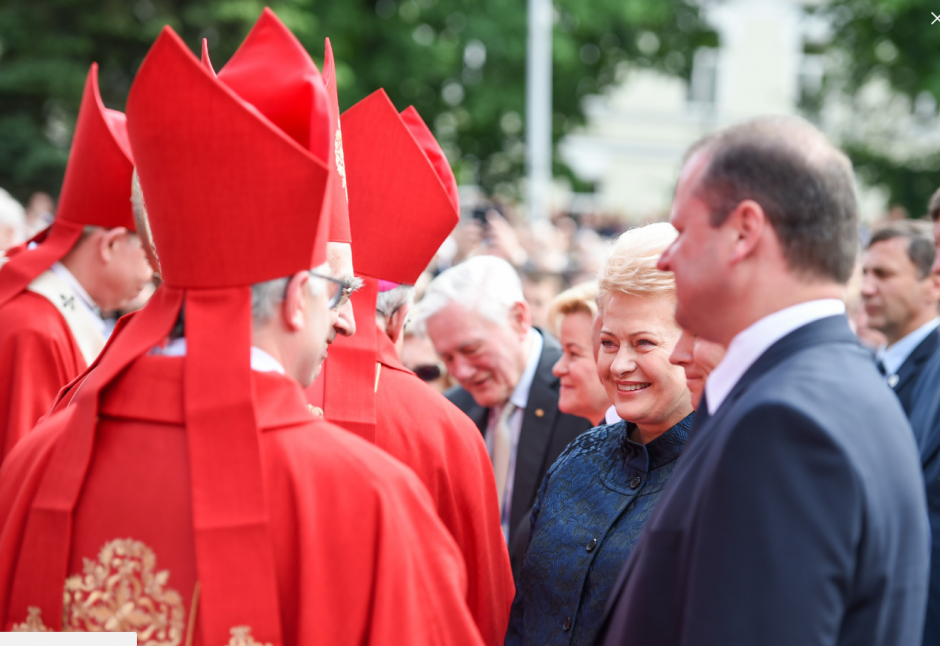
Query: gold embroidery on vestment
x,y
121,592
33,623
241,636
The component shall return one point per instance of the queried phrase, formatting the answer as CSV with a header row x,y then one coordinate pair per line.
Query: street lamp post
x,y
539,108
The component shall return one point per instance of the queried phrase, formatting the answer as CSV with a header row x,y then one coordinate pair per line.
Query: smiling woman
x,y
598,494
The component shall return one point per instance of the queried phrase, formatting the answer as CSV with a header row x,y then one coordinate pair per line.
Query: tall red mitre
x,y
339,193
403,199
96,190
233,200
402,205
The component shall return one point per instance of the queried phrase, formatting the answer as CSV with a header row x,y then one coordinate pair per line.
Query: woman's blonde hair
x,y
580,298
631,267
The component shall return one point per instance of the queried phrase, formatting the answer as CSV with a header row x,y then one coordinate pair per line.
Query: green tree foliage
x,y
460,62
895,40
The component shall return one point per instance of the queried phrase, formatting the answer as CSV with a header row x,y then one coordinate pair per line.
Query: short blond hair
x,y
580,298
631,267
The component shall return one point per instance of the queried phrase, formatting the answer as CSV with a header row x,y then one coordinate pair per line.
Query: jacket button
x,y
590,546
635,482
567,626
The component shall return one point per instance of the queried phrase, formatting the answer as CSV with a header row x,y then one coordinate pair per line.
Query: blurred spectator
x,y
540,289
570,318
858,318
901,297
418,355
12,222
40,212
698,357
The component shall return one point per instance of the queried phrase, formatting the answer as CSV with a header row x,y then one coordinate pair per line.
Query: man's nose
x,y
461,369
346,321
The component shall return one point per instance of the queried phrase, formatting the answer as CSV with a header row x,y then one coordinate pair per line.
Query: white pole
x,y
539,108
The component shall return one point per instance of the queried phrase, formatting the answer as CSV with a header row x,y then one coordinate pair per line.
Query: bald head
x,y
804,184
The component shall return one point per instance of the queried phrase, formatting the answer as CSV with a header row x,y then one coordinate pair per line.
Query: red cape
x,y
38,355
361,557
420,427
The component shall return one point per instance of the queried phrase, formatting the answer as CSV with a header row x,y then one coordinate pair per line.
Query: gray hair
x,y
267,296
388,302
804,184
485,284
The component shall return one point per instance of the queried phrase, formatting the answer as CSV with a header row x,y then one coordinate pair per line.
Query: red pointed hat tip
x,y
96,190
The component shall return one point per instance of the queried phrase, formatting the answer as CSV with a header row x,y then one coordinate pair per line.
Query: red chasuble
x,y
360,555
38,349
38,355
420,427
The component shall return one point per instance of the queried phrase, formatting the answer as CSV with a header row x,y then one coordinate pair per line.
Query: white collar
x,y
86,301
893,356
520,396
261,361
611,416
748,346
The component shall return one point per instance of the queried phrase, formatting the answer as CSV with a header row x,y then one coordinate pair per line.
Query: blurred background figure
x,y
698,357
40,212
901,297
418,355
571,317
12,222
597,496
539,289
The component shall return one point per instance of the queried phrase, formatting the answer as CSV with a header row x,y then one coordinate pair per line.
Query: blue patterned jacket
x,y
591,507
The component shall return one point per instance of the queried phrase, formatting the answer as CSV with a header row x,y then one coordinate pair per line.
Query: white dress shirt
x,y
611,416
892,357
748,346
519,398
83,298
261,361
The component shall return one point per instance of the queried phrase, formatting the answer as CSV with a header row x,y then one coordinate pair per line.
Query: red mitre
x,y
403,198
402,206
339,194
96,190
233,200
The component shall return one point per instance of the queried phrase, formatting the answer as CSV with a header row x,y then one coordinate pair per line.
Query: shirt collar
x,y
69,279
894,355
261,361
520,396
747,347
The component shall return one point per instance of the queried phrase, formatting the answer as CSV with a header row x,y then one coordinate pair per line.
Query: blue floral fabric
x,y
591,507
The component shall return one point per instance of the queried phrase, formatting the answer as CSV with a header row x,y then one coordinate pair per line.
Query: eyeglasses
x,y
351,285
335,290
428,372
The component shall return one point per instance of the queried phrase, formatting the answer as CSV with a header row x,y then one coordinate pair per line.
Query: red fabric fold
x,y
24,267
229,516
41,568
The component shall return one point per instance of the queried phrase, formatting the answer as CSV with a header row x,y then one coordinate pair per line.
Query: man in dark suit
x,y
901,297
796,514
478,320
925,420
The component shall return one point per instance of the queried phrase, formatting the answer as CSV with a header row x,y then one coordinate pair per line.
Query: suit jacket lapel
x,y
920,354
537,422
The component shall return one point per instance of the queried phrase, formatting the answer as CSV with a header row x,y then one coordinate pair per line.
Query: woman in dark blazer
x,y
596,497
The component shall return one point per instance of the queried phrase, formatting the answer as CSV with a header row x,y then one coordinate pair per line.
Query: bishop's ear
x,y
293,309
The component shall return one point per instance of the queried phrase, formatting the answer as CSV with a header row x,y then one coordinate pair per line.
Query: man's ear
x,y
293,309
520,318
107,241
396,322
748,223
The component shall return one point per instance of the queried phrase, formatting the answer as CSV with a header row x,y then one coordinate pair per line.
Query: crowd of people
x,y
346,415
